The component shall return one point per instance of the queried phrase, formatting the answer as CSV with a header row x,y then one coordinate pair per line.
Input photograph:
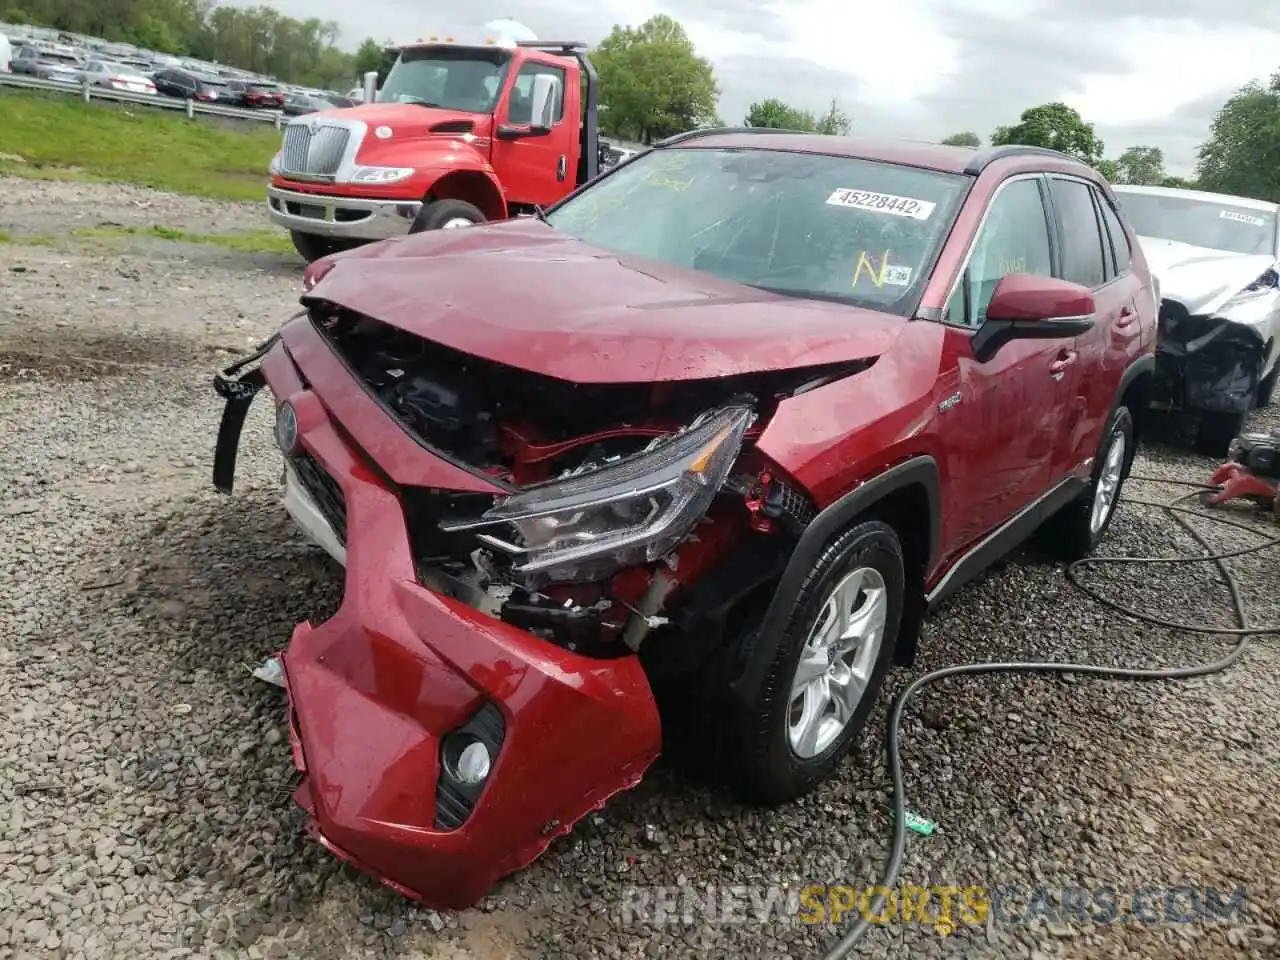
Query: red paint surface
x,y
560,307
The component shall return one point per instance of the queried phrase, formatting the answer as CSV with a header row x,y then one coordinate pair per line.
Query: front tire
x,y
836,644
446,215
1217,429
312,247
1077,529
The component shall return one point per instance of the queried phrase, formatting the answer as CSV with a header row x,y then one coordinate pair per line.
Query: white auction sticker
x,y
896,276
882,203
1243,218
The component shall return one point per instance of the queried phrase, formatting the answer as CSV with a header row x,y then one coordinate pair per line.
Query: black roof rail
x,y
718,131
566,45
984,158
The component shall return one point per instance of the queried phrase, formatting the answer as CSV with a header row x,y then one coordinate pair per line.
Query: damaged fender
x,y
1207,362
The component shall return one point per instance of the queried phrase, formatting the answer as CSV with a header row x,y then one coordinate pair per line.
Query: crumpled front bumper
x,y
375,690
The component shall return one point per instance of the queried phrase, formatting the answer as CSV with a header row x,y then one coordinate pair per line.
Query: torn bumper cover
x,y
389,698
1206,362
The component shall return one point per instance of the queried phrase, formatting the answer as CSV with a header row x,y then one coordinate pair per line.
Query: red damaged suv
x,y
713,433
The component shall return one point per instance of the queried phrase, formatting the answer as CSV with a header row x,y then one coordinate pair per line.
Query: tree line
x,y
653,84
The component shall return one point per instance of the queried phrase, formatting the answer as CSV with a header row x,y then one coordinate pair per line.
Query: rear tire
x,y
1075,531
842,628
446,215
1267,388
312,247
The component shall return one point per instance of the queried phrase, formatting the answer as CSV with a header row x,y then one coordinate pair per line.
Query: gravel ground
x,y
144,775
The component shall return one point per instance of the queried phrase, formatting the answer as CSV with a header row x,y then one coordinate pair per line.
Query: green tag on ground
x,y
919,824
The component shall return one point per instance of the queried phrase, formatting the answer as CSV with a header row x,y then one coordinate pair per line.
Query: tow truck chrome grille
x,y
313,151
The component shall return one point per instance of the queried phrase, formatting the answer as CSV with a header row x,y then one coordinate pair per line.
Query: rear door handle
x,y
1058,369
1128,314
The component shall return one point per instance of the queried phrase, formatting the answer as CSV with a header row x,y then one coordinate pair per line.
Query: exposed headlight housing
x,y
635,510
275,163
1265,284
381,174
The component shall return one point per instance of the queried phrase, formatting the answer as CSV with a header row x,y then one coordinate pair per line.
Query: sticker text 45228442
x,y
882,203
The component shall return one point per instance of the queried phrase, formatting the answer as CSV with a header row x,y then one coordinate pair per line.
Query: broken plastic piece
x,y
270,671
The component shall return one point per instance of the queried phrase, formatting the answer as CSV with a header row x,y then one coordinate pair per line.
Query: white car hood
x,y
1200,278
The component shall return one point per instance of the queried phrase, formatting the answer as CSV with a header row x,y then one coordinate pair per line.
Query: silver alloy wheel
x,y
1104,495
837,662
455,222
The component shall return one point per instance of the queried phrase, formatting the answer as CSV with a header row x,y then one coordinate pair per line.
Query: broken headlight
x,y
634,510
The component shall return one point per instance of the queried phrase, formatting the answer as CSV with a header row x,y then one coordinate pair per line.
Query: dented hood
x,y
1200,278
522,294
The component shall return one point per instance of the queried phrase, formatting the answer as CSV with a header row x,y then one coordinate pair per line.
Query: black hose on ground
x,y
1174,509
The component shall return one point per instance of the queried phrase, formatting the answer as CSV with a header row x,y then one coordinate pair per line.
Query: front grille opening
x,y
324,490
314,152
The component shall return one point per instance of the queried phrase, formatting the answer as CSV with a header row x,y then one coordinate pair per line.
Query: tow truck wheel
x,y
825,672
312,247
446,215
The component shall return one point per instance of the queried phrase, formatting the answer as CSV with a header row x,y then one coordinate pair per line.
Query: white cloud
x,y
1143,71
1168,64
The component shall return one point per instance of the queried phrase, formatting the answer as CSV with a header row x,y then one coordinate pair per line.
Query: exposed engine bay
x,y
630,514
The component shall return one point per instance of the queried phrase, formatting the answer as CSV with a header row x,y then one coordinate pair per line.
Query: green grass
x,y
248,241
6,236
60,137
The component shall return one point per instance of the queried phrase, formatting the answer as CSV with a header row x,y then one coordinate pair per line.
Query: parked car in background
x,y
1216,259
117,76
190,86
297,104
252,93
46,64
721,425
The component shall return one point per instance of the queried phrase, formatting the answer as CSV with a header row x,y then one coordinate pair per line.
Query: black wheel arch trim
x,y
1143,364
757,653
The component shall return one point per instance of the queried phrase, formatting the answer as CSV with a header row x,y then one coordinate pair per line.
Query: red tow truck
x,y
459,133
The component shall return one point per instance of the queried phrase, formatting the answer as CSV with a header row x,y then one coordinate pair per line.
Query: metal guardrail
x,y
191,108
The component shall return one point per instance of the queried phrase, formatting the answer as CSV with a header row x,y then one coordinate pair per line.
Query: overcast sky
x,y
1149,72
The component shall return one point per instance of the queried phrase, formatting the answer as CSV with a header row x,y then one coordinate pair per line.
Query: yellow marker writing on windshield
x,y
875,273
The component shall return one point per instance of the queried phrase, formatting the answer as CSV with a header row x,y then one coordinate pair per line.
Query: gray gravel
x,y
144,776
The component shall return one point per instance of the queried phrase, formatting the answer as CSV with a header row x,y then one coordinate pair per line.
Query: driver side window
x,y
1013,239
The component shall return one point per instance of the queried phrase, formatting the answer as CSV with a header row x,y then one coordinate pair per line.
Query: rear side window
x,y
1082,256
1115,230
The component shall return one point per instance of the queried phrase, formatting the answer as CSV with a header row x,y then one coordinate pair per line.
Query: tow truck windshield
x,y
466,78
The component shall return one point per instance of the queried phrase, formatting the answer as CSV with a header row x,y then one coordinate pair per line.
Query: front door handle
x,y
562,168
1128,314
1058,369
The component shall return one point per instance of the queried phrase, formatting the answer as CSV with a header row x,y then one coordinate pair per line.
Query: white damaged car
x,y
1215,259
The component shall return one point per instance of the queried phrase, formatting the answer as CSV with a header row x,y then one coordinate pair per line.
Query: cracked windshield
x,y
823,227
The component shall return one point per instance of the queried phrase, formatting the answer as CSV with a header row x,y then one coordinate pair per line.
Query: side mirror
x,y
1026,307
546,94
